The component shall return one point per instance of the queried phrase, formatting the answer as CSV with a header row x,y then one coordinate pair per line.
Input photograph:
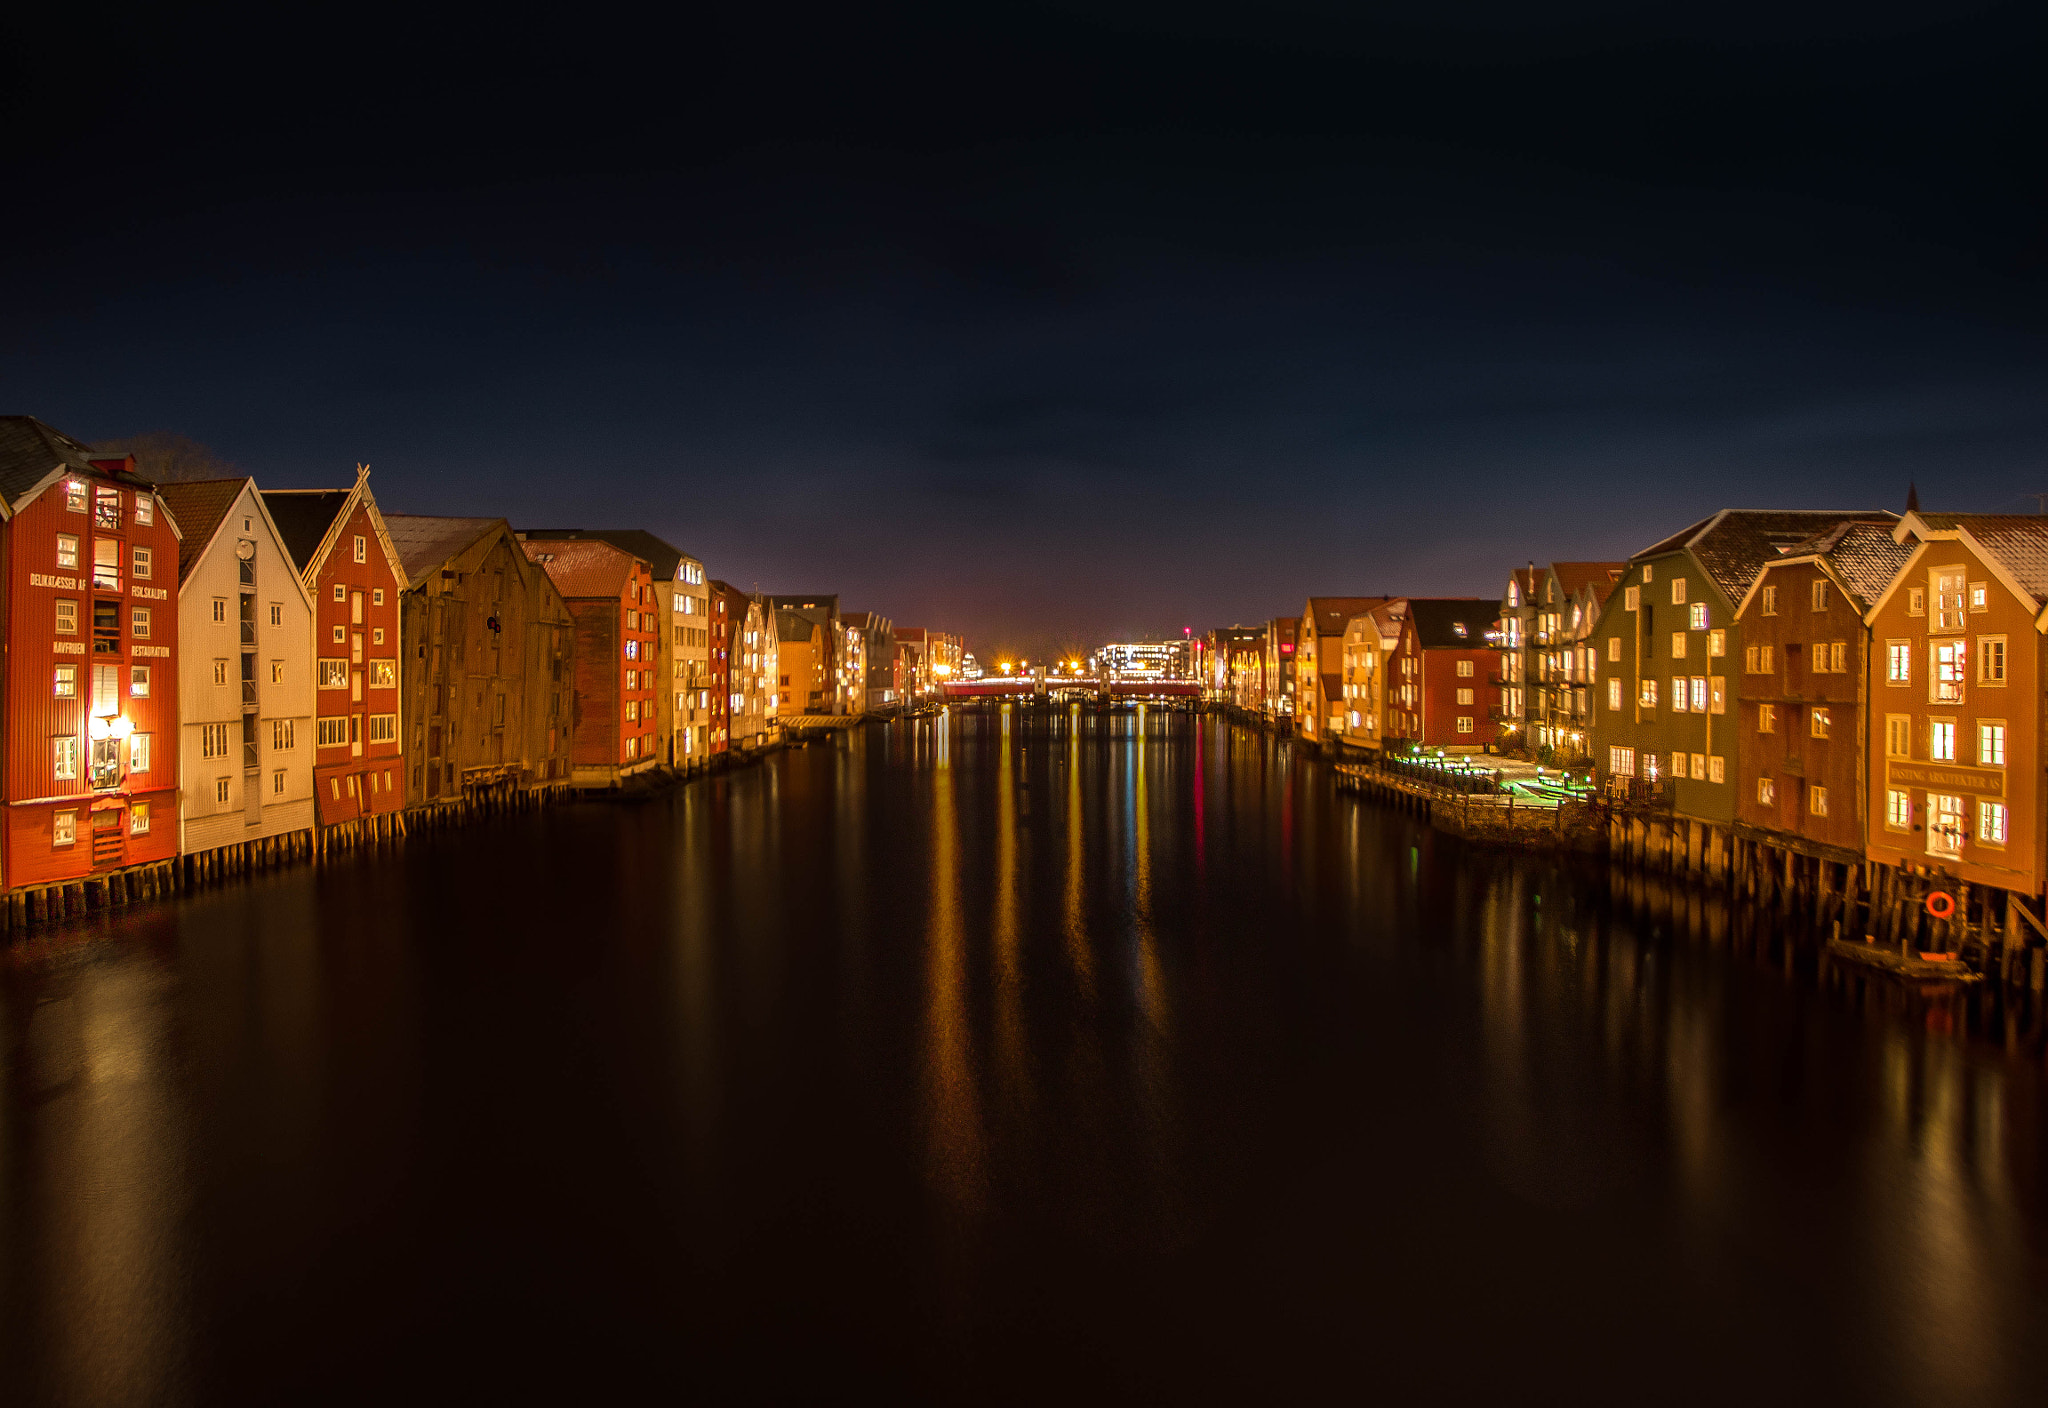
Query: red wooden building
x,y
89,575
1437,677
345,557
610,595
728,618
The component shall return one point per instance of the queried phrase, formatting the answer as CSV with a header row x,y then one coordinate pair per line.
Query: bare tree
x,y
170,458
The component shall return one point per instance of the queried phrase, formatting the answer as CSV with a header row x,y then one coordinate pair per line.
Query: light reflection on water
x,y
1001,1056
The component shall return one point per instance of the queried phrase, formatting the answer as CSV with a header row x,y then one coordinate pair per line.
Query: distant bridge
x,y
1119,689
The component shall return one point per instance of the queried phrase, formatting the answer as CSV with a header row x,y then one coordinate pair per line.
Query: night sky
x,y
1048,326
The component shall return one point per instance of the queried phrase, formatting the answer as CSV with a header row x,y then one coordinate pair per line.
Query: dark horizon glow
x,y
1051,328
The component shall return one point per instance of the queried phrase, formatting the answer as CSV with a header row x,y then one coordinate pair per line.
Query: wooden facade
x,y
88,588
1436,677
1319,664
610,598
488,663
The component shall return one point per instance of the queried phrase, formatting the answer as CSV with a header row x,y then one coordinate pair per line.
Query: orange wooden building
x,y
611,601
345,557
89,574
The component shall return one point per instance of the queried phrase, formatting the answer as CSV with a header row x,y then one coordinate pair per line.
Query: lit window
x,y
1630,598
1991,823
1717,642
220,672
1621,762
1898,809
64,759
1991,659
1677,589
67,617
1980,598
1465,669
1679,696
1817,800
1991,744
138,752
1898,655
1817,723
1766,792
1699,616
1464,723
74,497
333,674
106,507
67,682
362,548
1648,698
1946,686
1614,693
282,735
1614,647
277,672
1941,740
145,509
1898,734
1678,645
138,812
1717,769
1916,601
383,674
63,828
1766,718
1948,600
376,635
67,550
1699,694
1699,767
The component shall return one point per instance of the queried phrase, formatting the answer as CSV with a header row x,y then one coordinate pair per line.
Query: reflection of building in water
x,y
1144,660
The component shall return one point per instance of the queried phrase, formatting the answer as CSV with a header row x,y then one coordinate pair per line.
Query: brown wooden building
x,y
1436,678
610,596
488,668
1957,674
1803,691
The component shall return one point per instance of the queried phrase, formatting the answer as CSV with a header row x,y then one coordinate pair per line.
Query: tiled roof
x,y
303,517
794,625
29,450
1331,612
1733,545
1572,577
1437,620
199,506
1865,556
425,542
662,557
2018,540
582,567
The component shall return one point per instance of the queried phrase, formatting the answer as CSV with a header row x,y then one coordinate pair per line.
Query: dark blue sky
x,y
1053,323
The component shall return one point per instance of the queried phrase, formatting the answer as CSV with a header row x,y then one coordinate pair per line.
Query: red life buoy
x,y
1941,904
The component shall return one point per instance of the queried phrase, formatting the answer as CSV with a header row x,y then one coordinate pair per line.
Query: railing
x,y
249,633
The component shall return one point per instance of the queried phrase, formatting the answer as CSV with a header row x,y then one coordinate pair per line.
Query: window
x,y
1898,809
1621,762
1648,698
376,635
633,747
1614,693
1717,693
1717,643
383,728
106,507
66,685
1944,825
74,497
1766,792
1946,684
277,672
1766,718
220,608
376,596
221,788
213,740
277,783
1770,601
632,711
138,812
1948,599
138,752
1898,656
1941,740
330,733
1817,722
1751,654
1838,657
1898,735
283,736
220,672
333,673
67,617
1991,823
1464,696
138,622
67,550
1991,743
106,690
341,591
1980,598
1464,723
1614,648
106,627
1820,594
340,635
1699,694
362,548
1677,590
1699,767
1717,769
1679,696
383,674
64,759
276,613
1916,601
64,828
1698,614
1990,659
1678,645
1464,669
141,564
1630,598
1817,800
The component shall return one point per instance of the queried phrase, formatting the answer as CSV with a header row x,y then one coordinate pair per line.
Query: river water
x,y
997,1058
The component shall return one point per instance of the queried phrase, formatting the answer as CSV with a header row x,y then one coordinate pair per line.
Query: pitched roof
x,y
794,625
303,517
1574,577
1735,543
1438,621
199,506
1331,612
426,541
582,567
1525,578
660,556
29,450
2018,540
1864,555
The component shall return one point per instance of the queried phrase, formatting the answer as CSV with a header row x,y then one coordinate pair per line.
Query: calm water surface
x,y
995,1059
